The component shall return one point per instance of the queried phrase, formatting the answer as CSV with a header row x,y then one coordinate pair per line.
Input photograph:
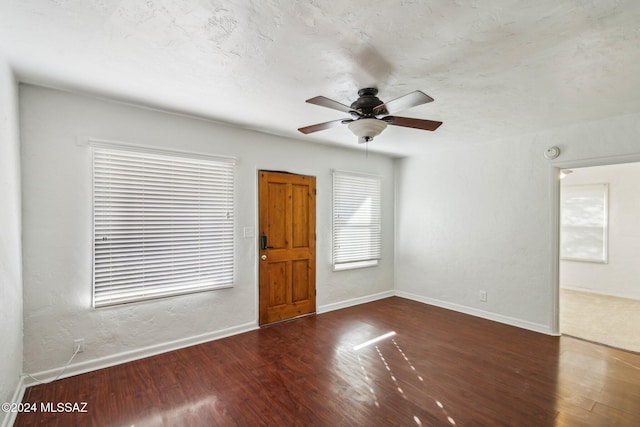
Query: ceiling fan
x,y
364,111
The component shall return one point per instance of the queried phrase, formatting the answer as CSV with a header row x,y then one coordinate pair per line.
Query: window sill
x,y
355,264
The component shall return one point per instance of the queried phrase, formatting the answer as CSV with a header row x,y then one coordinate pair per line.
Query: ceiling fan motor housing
x,y
367,102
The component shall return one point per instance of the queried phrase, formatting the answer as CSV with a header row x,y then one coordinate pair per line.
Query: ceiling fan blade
x,y
409,100
330,103
323,126
412,123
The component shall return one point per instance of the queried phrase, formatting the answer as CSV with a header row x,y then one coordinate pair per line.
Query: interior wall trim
x,y
355,301
512,321
140,353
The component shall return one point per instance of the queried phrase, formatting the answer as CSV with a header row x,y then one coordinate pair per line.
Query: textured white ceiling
x,y
495,67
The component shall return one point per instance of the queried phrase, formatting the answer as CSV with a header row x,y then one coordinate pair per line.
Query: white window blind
x,y
584,222
163,225
356,220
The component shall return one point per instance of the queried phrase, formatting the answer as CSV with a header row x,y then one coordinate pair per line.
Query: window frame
x,y
370,255
200,247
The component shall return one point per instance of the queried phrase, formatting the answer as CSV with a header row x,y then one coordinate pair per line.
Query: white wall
x,y
10,245
481,217
621,275
57,230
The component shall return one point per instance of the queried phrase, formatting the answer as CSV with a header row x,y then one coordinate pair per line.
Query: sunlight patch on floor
x,y
449,418
368,381
374,340
393,377
404,356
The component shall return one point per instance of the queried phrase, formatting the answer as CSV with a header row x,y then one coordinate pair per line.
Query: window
x,y
356,220
163,224
584,222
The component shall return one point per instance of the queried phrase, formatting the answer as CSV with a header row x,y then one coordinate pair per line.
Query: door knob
x,y
263,257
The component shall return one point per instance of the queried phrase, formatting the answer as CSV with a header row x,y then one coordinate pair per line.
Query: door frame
x,y
554,179
256,250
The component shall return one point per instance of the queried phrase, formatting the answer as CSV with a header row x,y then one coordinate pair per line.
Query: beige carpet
x,y
604,319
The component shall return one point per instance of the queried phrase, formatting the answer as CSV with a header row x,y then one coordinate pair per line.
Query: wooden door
x,y
287,241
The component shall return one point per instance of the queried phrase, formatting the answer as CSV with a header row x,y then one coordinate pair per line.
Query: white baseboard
x,y
8,418
512,321
355,301
141,353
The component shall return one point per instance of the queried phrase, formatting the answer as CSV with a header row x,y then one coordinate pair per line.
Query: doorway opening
x,y
599,238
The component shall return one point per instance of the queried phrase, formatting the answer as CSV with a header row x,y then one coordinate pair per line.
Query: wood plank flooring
x,y
441,368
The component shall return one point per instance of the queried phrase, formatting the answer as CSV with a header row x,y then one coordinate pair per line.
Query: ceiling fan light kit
x,y
366,129
364,111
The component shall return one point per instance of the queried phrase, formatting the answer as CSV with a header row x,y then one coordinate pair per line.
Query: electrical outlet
x,y
79,345
483,296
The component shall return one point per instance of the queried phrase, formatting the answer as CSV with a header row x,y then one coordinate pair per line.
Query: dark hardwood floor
x,y
441,368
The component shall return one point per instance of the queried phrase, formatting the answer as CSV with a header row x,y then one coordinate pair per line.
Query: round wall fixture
x,y
551,153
